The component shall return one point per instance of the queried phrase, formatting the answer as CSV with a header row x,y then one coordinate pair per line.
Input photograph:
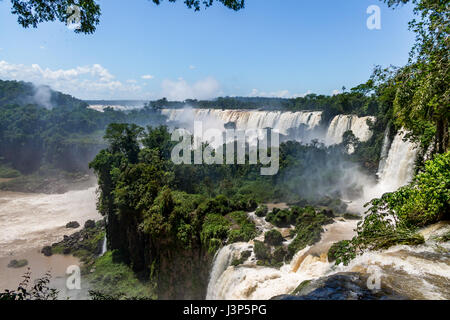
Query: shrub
x,y
273,238
243,228
214,230
262,211
262,252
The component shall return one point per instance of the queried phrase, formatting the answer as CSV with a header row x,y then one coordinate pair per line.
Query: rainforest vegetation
x,y
41,128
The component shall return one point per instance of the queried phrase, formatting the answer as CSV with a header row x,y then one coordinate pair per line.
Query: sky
x,y
282,48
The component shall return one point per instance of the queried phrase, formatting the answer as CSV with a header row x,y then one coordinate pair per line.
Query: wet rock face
x,y
341,286
89,224
17,263
47,251
72,225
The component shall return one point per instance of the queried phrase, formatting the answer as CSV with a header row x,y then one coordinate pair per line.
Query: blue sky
x,y
271,48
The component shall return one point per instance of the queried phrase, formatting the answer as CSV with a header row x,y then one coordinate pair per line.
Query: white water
x,y
398,169
250,281
384,151
342,123
394,172
104,246
29,220
413,271
302,126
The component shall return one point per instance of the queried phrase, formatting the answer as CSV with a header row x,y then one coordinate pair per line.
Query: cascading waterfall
x,y
400,265
222,261
342,123
384,150
104,246
282,121
302,126
399,166
395,171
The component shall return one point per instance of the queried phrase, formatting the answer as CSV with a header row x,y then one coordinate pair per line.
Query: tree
x,y
32,12
123,138
422,97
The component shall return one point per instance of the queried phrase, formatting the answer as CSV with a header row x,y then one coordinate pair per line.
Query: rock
x,y
351,216
67,250
340,286
328,213
89,224
47,251
72,225
17,263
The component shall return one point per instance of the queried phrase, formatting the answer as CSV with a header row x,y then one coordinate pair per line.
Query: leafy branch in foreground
x,y
32,12
40,290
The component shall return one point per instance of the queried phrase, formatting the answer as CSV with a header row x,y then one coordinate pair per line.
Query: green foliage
x,y
424,201
341,252
394,218
262,211
273,238
67,136
243,257
118,281
243,229
262,252
39,290
31,13
7,172
421,94
308,229
267,256
214,231
351,216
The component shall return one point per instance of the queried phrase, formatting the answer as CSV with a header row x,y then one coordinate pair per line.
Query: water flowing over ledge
x,y
303,126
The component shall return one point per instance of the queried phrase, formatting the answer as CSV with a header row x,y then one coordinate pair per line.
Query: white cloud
x,y
180,90
85,82
277,94
192,67
147,77
131,81
335,92
42,47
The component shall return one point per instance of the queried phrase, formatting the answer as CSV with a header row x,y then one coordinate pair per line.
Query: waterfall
x,y
342,123
104,246
251,281
398,169
395,171
298,125
301,126
222,261
384,150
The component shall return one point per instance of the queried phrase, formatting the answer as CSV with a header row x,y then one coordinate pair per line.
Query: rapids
x,y
30,220
420,272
